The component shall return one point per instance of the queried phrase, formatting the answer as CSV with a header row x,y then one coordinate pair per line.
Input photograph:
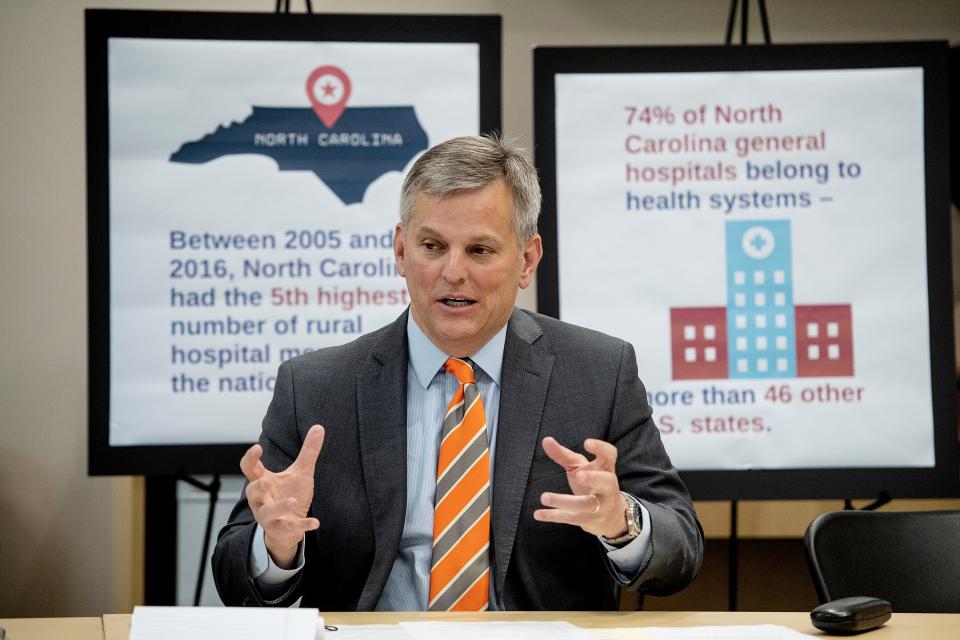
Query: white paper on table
x,y
495,631
738,632
370,632
225,623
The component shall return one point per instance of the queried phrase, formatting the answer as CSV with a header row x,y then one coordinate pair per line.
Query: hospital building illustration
x,y
762,332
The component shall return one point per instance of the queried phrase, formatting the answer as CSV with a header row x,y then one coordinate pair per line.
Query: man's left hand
x,y
596,505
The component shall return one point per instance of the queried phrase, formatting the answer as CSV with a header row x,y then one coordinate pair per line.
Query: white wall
x,y
70,544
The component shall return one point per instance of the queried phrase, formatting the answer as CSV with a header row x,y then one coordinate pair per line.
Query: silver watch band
x,y
634,521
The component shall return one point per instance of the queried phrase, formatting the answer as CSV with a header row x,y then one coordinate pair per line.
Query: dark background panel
x,y
939,481
104,459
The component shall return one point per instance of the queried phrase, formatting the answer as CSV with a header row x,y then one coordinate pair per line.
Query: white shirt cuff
x,y
628,558
263,569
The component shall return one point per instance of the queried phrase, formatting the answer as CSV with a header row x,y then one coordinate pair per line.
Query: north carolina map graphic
x,y
359,145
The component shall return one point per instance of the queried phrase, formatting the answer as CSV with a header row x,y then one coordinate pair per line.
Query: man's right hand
x,y
280,501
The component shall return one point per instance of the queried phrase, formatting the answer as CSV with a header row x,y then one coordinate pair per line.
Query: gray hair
x,y
472,162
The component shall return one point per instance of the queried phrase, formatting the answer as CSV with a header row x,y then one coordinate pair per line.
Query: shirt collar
x,y
427,359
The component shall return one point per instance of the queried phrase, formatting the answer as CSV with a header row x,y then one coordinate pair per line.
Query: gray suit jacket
x,y
559,380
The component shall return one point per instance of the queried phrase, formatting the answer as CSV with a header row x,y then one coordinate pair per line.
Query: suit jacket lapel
x,y
524,382
382,419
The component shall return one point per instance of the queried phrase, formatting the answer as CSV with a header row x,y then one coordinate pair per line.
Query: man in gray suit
x,y
570,495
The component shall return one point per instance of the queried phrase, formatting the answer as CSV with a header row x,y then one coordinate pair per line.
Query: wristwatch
x,y
634,522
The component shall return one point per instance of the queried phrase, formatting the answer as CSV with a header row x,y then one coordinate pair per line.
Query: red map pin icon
x,y
328,88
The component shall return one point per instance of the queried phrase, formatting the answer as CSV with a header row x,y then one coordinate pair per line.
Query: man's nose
x,y
455,267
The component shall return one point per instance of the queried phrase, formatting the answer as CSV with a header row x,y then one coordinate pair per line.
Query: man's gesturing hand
x,y
280,501
596,505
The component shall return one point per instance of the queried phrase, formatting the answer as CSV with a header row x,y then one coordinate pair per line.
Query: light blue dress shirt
x,y
429,389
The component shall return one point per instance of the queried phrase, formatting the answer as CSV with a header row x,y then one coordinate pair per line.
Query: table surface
x,y
53,628
929,626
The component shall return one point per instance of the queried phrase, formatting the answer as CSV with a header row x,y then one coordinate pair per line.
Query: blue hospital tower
x,y
760,310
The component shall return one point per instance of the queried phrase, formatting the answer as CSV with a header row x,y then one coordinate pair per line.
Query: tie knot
x,y
462,369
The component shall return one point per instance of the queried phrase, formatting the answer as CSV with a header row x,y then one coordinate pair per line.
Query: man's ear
x,y
398,248
532,252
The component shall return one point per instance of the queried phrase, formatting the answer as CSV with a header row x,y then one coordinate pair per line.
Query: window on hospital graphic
x,y
824,340
761,332
699,343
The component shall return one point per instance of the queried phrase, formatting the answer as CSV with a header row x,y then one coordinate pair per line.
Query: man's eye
x,y
429,246
481,250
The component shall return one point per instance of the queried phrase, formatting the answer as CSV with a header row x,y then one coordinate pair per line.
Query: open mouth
x,y
457,302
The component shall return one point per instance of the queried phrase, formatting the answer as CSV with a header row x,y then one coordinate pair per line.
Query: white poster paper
x,y
759,237
254,189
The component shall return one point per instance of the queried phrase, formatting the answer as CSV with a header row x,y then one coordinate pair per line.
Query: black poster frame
x,y
100,26
941,480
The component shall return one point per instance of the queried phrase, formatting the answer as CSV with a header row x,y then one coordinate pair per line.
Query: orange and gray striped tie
x,y
460,571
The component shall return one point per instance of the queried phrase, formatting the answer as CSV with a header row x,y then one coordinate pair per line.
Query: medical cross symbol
x,y
758,242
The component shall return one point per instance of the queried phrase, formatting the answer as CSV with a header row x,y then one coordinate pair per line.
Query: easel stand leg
x,y
214,490
733,559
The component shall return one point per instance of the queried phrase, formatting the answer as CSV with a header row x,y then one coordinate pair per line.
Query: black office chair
x,y
911,559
